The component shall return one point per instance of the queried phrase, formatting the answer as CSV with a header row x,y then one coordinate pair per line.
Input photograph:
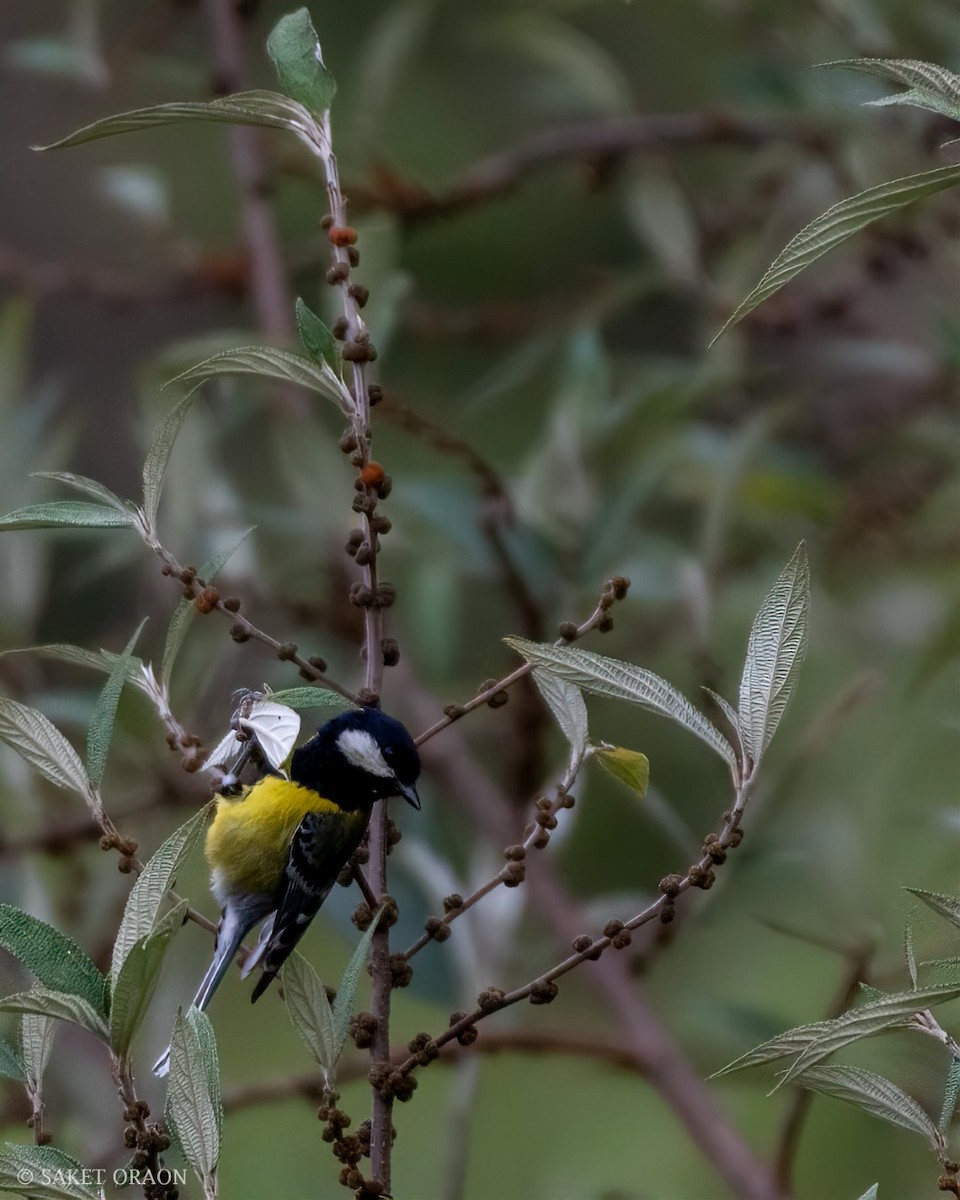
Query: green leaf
x,y
950,1094
270,363
75,514
242,108
90,486
565,701
317,339
931,87
894,1011
42,745
346,993
10,1065
602,676
78,656
55,959
837,224
872,1093
64,1006
784,1045
870,1193
629,766
100,733
158,456
194,1109
306,1000
311,697
141,915
49,1174
295,49
36,1044
134,985
775,653
186,610
946,906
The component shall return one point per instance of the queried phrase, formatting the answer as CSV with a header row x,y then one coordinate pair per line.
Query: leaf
x,y
270,363
98,660
317,339
602,676
629,766
137,979
837,224
100,733
295,49
49,1174
565,701
733,717
950,1093
311,697
930,87
346,993
55,959
194,1109
158,456
870,1193
186,610
64,1006
10,1065
775,653
140,917
784,1045
872,1093
866,1020
36,1044
76,514
42,745
242,108
306,1000
92,488
946,906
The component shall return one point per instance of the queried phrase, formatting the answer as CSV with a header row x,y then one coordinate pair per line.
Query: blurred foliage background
x,y
558,327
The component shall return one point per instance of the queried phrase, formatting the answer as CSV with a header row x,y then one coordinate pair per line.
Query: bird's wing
x,y
321,845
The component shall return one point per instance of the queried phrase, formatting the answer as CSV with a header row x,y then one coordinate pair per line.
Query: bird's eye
x,y
389,753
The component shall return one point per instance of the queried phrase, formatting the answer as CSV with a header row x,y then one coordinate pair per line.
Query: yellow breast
x,y
249,840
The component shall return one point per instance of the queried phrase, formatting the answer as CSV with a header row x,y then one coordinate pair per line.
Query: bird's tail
x,y
231,931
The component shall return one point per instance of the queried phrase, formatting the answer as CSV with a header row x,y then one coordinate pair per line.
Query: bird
x,y
275,850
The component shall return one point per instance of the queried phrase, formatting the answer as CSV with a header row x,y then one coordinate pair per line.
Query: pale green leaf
x,y
78,656
63,1006
317,339
36,1045
75,514
347,991
55,959
158,457
784,1045
565,701
42,745
134,985
950,1094
837,224
873,1094
10,1065
870,1193
44,1173
90,486
306,1000
929,86
193,1110
295,49
142,911
602,676
100,733
946,906
311,697
733,717
629,766
775,653
270,363
242,108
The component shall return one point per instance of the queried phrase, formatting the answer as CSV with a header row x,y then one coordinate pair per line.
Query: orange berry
x,y
342,235
372,475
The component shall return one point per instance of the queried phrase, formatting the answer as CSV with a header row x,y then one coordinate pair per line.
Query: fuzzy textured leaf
x,y
52,1174
57,514
100,733
565,701
64,1006
837,224
89,486
775,653
158,456
137,980
946,906
950,1094
930,86
242,108
784,1045
347,991
141,915
872,1093
36,1045
602,676
10,1065
629,766
78,656
42,745
295,49
55,959
270,363
317,339
306,1000
194,1109
870,1193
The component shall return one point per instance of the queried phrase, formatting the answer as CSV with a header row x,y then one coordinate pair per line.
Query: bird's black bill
x,y
409,793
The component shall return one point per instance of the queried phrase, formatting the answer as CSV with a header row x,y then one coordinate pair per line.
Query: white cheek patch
x,y
359,748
